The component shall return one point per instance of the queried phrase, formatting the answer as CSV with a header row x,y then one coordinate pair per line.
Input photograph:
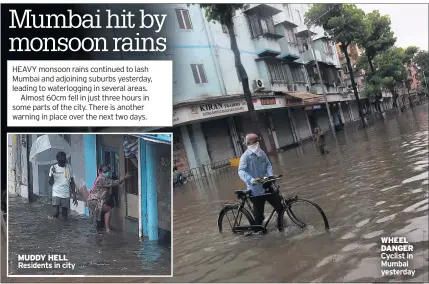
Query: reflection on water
x,y
372,184
31,231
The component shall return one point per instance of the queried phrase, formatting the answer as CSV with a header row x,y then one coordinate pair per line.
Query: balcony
x,y
284,18
266,10
304,32
307,56
263,26
288,50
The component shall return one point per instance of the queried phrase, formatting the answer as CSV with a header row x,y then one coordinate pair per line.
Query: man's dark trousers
x,y
259,204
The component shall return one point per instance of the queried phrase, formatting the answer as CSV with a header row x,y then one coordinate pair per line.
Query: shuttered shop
x,y
301,122
355,110
346,113
322,118
282,127
218,139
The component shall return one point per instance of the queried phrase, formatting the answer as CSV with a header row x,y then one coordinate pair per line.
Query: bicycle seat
x,y
242,192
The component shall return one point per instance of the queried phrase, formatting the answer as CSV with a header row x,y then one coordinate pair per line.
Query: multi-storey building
x,y
209,106
210,112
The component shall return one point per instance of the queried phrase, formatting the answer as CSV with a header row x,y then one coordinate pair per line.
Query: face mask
x,y
106,174
254,147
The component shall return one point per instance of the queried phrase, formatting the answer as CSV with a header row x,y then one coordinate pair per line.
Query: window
x,y
277,73
260,25
297,75
328,48
184,19
290,36
302,45
199,73
132,185
110,157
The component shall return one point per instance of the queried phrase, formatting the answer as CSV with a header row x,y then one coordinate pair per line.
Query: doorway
x,y
312,119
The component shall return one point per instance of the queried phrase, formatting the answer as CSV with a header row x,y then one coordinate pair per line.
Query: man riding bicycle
x,y
254,164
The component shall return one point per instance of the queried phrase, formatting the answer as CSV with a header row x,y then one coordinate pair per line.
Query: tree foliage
x,y
377,36
421,59
390,68
221,13
342,22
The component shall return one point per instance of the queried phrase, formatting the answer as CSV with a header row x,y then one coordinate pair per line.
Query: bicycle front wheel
x,y
232,216
303,213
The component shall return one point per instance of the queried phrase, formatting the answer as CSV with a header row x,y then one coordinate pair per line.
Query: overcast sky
x,y
409,22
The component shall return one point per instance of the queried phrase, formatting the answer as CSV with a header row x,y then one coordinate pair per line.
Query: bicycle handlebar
x,y
266,179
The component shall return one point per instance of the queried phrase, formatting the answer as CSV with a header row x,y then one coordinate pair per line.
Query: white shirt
x,y
62,178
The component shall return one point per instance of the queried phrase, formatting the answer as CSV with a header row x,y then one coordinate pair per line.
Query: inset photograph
x,y
89,204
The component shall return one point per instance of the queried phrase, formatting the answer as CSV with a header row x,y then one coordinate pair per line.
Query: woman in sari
x,y
99,196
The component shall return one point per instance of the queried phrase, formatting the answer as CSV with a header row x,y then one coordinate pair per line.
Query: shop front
x,y
307,112
206,133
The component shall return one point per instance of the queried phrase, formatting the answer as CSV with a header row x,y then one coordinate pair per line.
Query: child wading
x,y
319,136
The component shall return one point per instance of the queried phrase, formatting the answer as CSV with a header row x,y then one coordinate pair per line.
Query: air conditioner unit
x,y
295,87
258,84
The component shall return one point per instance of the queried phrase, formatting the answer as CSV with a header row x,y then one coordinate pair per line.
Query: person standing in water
x,y
99,197
320,139
254,164
63,186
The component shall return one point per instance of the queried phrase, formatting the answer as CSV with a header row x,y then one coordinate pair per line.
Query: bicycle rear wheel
x,y
232,215
303,213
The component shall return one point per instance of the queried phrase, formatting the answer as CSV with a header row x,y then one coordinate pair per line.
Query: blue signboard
x,y
317,107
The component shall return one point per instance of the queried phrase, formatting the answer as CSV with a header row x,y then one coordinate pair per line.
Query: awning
x,y
303,98
288,56
268,52
156,138
131,145
265,10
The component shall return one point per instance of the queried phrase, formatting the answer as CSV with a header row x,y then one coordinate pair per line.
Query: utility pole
x,y
331,124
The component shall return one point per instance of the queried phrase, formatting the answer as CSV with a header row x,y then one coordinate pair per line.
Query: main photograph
x,y
89,204
300,143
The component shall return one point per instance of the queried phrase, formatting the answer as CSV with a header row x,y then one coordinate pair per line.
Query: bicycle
x,y
270,188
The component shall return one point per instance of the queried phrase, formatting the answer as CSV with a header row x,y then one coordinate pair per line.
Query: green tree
x,y
409,54
377,37
390,70
223,14
344,23
421,59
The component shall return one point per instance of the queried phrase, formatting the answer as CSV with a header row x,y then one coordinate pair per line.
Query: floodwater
x,y
31,231
374,183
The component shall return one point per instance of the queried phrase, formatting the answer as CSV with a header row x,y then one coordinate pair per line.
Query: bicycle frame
x,y
253,228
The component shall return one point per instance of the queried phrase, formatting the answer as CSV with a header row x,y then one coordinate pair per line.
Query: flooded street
x,y
374,183
115,253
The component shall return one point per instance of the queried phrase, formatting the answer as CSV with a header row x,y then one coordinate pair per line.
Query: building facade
x,y
143,203
210,112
